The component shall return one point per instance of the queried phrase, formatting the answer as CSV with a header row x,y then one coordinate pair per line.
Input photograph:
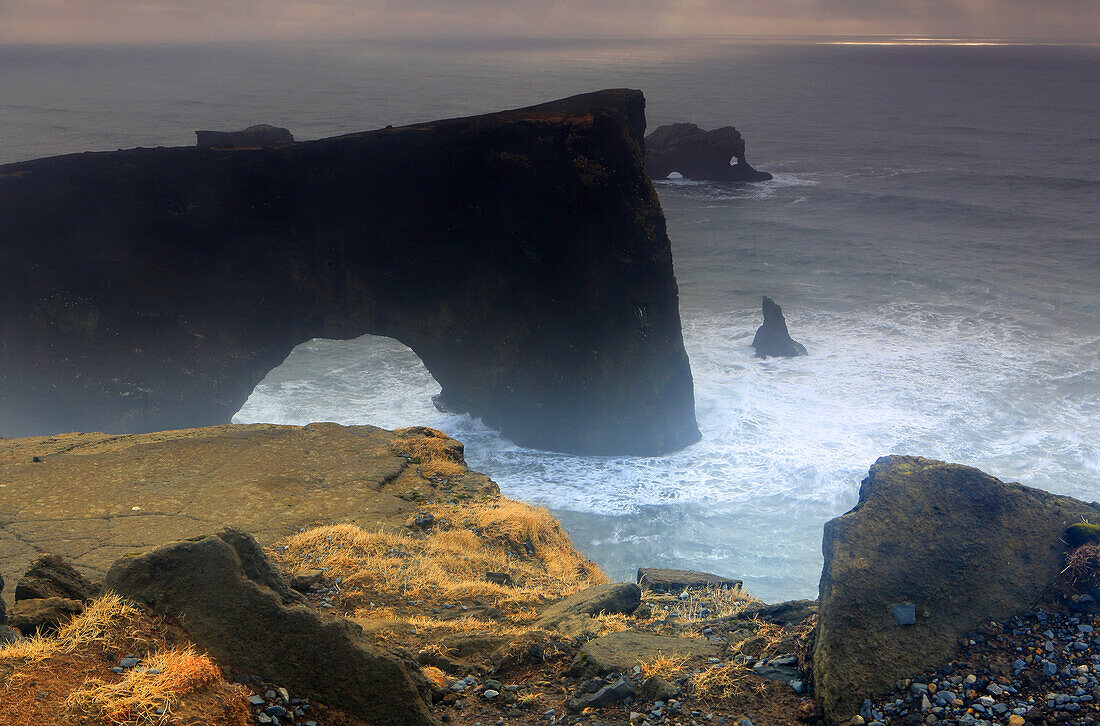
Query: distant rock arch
x,y
152,289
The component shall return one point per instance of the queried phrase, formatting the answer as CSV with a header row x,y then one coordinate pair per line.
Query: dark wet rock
x,y
258,135
699,154
782,668
656,688
246,624
609,695
772,337
3,605
615,597
53,576
522,255
43,614
676,581
962,547
619,652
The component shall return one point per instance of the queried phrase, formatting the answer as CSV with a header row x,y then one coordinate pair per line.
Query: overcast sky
x,y
197,20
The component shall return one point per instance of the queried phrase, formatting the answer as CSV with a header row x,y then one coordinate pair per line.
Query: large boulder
x,y
247,624
930,552
52,576
698,154
772,338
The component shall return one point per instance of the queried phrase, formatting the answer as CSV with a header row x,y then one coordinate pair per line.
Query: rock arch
x,y
150,289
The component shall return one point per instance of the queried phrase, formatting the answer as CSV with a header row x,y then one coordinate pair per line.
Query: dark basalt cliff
x,y
522,255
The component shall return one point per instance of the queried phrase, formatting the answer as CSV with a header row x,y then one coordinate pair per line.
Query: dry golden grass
x,y
438,455
144,695
667,667
108,618
449,562
63,679
723,682
703,604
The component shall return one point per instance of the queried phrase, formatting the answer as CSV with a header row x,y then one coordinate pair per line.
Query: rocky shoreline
x,y
426,598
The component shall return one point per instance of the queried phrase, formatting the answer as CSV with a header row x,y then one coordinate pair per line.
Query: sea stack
x,y
698,154
772,337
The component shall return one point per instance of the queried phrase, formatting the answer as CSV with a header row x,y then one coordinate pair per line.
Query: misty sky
x,y
198,20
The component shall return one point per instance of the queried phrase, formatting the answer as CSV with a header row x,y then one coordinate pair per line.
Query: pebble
x,y
1052,677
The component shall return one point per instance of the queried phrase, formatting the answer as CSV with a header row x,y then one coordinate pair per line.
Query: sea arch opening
x,y
370,379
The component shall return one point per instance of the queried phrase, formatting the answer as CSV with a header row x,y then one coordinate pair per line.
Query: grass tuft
x,y
667,667
437,454
106,618
146,696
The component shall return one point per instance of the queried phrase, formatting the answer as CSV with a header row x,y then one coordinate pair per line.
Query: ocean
x,y
931,233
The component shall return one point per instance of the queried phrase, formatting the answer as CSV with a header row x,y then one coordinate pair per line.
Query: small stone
x,y
490,693
129,662
1015,720
904,613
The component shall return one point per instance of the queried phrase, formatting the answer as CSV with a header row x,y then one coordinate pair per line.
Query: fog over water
x,y
931,234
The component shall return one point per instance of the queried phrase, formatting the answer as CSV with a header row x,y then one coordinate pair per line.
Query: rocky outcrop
x,y
258,135
245,623
94,497
676,581
43,615
930,552
522,255
772,337
53,576
615,597
619,652
699,154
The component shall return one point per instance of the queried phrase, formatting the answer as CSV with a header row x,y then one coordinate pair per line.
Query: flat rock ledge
x,y
93,497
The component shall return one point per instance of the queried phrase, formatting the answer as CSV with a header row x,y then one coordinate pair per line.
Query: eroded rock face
x,y
245,623
772,338
53,576
699,154
522,255
931,552
43,615
258,135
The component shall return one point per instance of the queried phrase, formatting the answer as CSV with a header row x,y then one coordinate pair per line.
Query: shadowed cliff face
x,y
522,255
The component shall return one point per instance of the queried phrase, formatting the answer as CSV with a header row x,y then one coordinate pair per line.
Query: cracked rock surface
x,y
94,497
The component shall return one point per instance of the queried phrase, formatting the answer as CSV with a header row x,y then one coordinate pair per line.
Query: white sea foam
x,y
785,441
